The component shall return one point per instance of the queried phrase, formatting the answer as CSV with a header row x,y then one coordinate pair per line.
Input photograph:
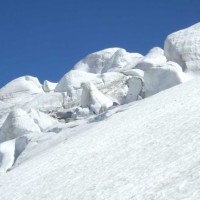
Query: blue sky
x,y
45,38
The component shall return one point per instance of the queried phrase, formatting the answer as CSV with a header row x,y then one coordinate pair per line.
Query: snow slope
x,y
154,154
107,129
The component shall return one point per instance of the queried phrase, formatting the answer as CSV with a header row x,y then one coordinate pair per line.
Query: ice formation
x,y
20,88
163,77
49,86
183,47
101,132
92,98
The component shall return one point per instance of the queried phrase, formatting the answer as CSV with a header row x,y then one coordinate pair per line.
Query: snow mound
x,y
20,88
153,58
112,59
183,47
49,86
163,77
122,60
17,124
95,62
95,100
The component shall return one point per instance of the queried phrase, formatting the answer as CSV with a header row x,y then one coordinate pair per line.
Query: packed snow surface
x,y
119,125
148,150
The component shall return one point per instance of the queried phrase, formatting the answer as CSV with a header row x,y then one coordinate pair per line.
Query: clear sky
x,y
45,38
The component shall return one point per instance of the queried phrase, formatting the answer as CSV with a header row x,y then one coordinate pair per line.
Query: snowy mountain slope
x,y
100,134
154,155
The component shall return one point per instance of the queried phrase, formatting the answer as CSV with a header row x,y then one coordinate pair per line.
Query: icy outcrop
x,y
163,77
183,47
112,59
71,81
95,62
93,99
43,120
10,151
97,83
49,86
122,60
5,109
20,89
134,72
153,58
17,124
111,83
7,151
46,102
71,114
135,86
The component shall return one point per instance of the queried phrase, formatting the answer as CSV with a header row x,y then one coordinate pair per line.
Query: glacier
x,y
119,125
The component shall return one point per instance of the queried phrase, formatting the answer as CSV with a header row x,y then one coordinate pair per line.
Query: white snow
x,y
134,72
16,124
107,130
9,152
95,62
93,99
183,47
122,60
49,86
150,150
111,84
43,120
45,102
163,77
154,57
71,81
107,60
20,89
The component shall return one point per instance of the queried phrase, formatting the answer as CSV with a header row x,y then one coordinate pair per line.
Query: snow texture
x,y
49,86
153,58
20,89
93,99
154,155
163,77
119,126
112,59
183,47
16,124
